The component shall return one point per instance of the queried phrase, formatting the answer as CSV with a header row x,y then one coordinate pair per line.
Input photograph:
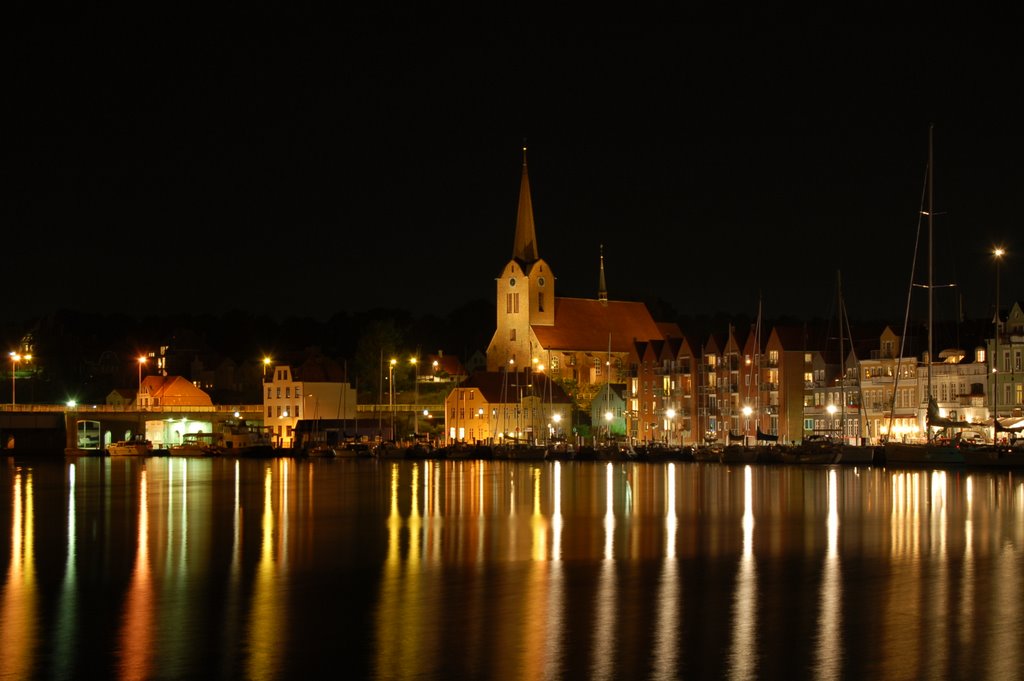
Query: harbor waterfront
x,y
181,567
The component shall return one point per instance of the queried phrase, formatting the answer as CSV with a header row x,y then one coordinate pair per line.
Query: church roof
x,y
583,324
525,248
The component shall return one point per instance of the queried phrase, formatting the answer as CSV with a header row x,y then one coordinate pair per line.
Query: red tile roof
x,y
584,325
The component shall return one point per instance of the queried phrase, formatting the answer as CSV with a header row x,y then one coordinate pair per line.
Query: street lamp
x,y
416,392
266,367
747,411
391,394
15,358
997,253
831,409
671,414
138,395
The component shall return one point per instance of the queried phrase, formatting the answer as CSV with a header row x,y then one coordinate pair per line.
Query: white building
x,y
315,390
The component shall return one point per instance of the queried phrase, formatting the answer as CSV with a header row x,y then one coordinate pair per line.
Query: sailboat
x,y
845,451
930,452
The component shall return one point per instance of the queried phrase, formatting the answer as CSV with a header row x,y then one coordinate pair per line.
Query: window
x,y
807,357
288,392
270,412
515,302
296,414
1016,360
278,392
508,303
512,335
270,393
540,301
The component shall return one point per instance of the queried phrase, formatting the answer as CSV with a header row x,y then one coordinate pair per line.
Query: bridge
x,y
55,427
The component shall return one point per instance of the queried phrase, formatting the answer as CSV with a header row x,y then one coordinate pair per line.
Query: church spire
x,y
525,247
602,289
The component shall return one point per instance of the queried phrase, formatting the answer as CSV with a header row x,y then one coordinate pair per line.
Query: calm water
x,y
169,568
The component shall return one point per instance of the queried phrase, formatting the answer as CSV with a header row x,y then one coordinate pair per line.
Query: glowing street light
x,y
266,367
391,394
997,253
138,395
671,414
15,358
831,409
415,361
747,411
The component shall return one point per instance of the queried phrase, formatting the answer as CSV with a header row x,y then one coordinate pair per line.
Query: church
x,y
586,344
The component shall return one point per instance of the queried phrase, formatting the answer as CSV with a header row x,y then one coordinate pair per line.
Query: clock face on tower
x,y
512,281
540,282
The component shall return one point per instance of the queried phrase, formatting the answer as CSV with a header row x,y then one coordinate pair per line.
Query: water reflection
x,y
603,663
666,636
136,639
67,609
18,616
267,637
829,645
181,568
743,651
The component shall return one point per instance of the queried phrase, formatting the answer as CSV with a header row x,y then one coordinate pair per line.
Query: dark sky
x,y
305,166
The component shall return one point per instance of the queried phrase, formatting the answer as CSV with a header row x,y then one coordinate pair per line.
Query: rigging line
x,y
906,315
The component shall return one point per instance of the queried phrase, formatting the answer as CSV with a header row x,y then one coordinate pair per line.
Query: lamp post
x,y
997,253
15,358
831,409
391,394
416,393
138,395
747,411
266,367
671,414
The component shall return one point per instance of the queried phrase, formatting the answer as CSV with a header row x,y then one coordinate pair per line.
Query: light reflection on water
x,y
284,568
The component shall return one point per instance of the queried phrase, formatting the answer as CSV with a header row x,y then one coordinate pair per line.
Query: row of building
x,y
578,368
647,381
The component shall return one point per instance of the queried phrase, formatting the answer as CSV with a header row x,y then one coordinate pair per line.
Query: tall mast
x,y
842,361
931,212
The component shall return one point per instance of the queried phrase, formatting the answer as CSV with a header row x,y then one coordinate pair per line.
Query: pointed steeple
x,y
525,247
602,289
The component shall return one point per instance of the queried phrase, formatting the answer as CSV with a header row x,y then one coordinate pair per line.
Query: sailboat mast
x,y
842,360
931,212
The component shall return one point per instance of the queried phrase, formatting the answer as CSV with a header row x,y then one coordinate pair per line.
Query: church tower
x,y
525,291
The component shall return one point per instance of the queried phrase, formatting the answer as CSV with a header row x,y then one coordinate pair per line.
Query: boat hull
x,y
129,449
902,453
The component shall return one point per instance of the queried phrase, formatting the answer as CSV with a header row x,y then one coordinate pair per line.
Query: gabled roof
x,y
174,390
670,329
583,324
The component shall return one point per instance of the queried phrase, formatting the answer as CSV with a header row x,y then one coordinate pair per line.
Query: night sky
x,y
304,167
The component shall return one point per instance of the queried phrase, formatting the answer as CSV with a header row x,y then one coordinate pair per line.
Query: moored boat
x,y
196,444
136,447
241,439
